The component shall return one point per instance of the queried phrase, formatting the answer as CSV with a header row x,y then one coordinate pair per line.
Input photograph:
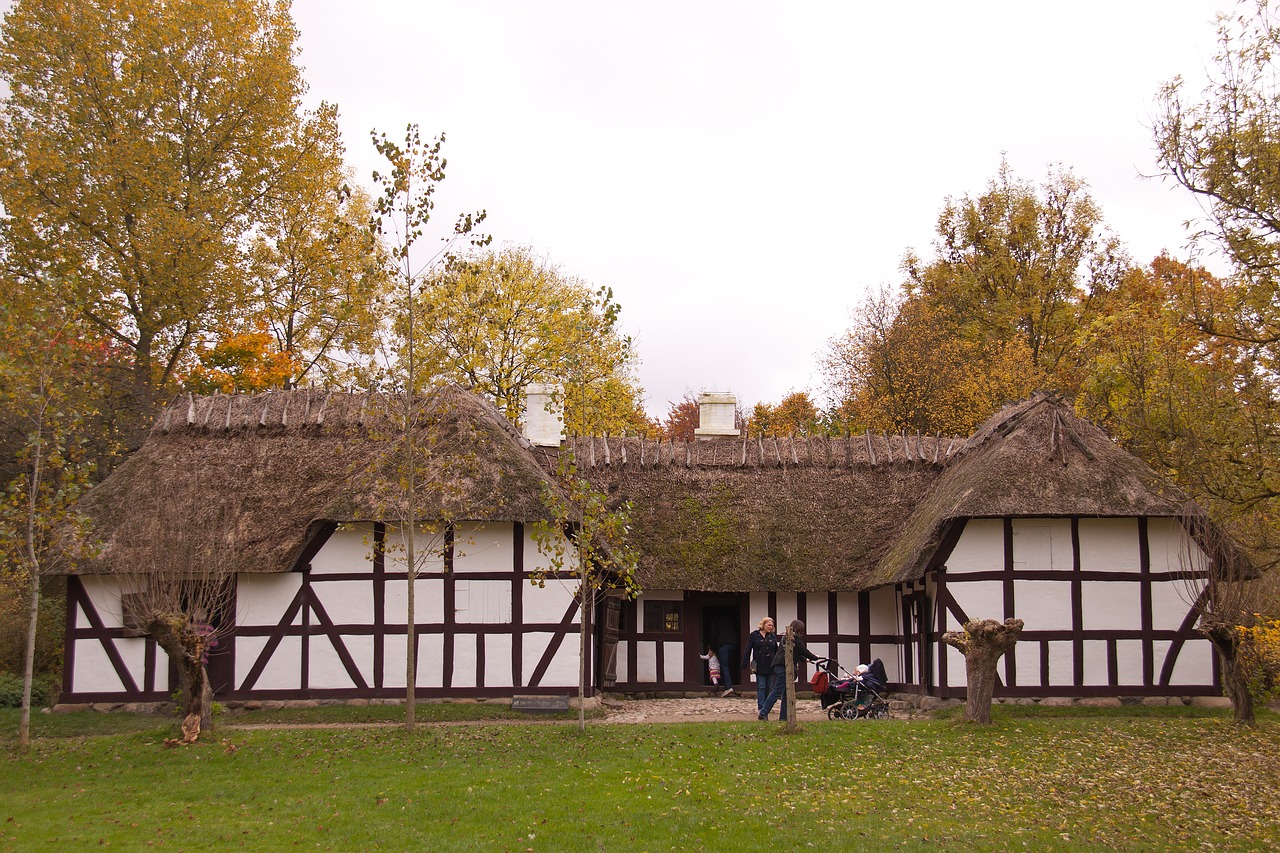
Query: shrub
x,y
44,691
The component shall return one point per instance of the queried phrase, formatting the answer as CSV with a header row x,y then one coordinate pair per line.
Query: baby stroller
x,y
855,695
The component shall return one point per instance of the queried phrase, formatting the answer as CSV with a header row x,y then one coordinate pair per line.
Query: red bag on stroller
x,y
820,682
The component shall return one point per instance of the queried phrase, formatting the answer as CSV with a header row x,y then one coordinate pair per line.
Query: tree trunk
x,y
28,667
585,597
1235,682
983,642
185,646
789,697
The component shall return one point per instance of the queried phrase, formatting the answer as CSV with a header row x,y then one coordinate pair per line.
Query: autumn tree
x,y
1020,262
318,278
139,144
243,362
794,414
507,319
906,365
682,418
982,642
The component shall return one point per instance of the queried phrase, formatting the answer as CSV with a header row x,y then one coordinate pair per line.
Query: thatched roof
x,y
732,514
1032,458
720,514
287,464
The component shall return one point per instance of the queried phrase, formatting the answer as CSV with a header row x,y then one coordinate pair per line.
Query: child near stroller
x,y
856,695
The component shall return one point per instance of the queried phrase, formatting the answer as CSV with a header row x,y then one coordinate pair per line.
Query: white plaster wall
x,y
1170,603
94,672
1042,544
884,611
104,592
673,661
1109,545
464,660
326,669
890,656
563,671
282,672
846,613
1110,605
346,602
757,608
483,602
646,661
787,611
978,599
549,603
349,549
817,613
621,671
428,601
1129,662
263,599
1095,662
428,661
497,660
1027,656
428,551
955,668
1171,549
483,548
1041,605
980,547
1061,663
1194,664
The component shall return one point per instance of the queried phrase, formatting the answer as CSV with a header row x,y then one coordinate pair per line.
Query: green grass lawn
x,y
1163,780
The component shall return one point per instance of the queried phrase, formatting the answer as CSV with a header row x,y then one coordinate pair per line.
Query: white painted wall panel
x,y
978,599
1171,549
646,661
1027,657
104,592
563,671
890,657
361,650
430,655
980,547
673,662
787,611
345,602
1170,603
94,672
133,651
497,660
483,548
548,604
282,672
428,601
1095,662
349,549
1061,664
955,668
326,669
1109,545
1111,605
884,611
464,660
1129,662
263,599
1042,544
482,602
428,551
1194,664
1042,605
622,670
847,613
817,613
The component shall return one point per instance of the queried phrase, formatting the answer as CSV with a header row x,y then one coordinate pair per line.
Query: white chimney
x,y
543,422
716,414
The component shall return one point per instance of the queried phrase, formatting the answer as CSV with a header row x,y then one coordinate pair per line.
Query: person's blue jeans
x,y
764,683
777,688
728,654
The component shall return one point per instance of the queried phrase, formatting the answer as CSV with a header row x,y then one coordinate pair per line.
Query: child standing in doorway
x,y
713,665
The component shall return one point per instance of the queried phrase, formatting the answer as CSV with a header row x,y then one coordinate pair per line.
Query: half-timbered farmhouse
x,y
879,543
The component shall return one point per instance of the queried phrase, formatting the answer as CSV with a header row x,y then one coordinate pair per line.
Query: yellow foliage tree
x,y
240,362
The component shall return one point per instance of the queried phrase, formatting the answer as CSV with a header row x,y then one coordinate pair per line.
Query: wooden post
x,y
790,696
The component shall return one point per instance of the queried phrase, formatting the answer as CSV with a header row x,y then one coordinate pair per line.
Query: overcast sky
x,y
741,173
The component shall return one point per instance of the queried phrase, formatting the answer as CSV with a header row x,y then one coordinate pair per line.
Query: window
x,y
663,617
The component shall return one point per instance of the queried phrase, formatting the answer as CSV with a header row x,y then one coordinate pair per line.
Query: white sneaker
x,y
728,692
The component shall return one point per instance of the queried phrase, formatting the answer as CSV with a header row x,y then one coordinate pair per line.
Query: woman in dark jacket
x,y
801,653
762,645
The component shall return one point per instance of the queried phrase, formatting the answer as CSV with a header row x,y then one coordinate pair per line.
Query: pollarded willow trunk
x,y
983,642
1235,681
186,647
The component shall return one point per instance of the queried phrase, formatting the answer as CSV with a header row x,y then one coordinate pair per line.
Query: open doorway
x,y
723,632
